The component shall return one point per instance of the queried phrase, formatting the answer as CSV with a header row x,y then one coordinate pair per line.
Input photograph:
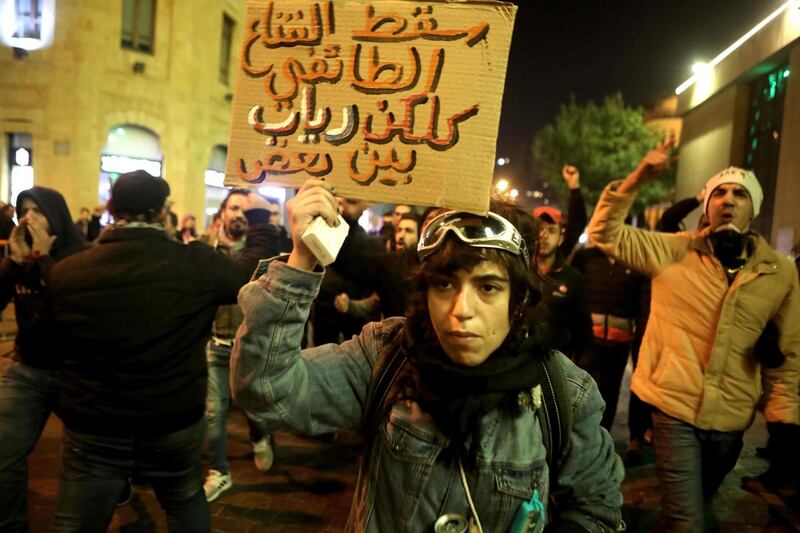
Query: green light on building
x,y
773,86
786,73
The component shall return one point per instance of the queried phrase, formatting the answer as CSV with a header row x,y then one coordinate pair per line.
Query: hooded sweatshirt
x,y
31,274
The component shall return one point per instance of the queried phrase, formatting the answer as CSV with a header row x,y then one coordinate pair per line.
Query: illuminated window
x,y
228,24
138,24
763,143
20,159
28,19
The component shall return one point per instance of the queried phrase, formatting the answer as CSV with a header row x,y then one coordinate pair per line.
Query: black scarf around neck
x,y
458,396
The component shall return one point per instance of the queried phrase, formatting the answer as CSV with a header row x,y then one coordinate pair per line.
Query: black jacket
x,y
134,313
672,219
611,288
564,300
6,225
25,283
387,273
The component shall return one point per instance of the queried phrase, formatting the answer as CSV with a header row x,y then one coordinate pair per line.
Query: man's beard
x,y
546,253
236,229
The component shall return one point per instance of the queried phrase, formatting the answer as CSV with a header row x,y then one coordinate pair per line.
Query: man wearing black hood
x,y
46,234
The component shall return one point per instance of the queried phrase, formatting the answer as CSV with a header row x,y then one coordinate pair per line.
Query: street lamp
x,y
502,185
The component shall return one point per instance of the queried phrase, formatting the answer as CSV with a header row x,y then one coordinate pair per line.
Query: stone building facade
x,y
96,70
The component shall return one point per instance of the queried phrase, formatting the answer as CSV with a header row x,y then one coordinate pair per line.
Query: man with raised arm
x,y
713,292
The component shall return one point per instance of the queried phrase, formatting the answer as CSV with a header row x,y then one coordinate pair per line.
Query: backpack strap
x,y
555,416
387,367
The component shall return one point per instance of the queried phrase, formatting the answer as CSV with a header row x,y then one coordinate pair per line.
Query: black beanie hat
x,y
137,193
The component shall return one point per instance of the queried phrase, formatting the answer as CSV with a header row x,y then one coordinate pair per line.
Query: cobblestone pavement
x,y
309,489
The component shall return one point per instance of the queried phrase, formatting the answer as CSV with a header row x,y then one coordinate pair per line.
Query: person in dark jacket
x,y
387,272
6,220
82,224
329,324
275,217
133,314
613,294
95,224
562,286
46,235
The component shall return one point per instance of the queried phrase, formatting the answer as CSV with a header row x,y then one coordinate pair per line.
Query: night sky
x,y
643,48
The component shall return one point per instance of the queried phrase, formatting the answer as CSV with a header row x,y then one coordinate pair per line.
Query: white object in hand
x,y
323,240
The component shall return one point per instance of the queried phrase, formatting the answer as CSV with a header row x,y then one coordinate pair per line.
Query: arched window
x,y
128,148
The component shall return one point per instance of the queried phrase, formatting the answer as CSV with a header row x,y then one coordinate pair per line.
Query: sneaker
x,y
126,495
262,453
216,483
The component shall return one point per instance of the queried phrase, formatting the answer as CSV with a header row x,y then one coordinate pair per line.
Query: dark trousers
x,y
782,449
639,413
605,362
95,468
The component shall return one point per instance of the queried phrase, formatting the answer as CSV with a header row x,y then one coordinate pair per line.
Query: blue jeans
x,y
95,468
27,396
691,465
218,404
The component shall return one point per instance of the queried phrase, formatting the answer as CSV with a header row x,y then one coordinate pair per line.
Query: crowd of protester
x,y
479,357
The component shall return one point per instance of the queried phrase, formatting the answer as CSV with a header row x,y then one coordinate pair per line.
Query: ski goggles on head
x,y
491,231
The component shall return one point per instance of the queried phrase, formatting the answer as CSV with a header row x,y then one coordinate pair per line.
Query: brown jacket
x,y
696,361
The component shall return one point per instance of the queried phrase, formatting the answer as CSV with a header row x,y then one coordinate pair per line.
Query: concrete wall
x,y
786,221
76,90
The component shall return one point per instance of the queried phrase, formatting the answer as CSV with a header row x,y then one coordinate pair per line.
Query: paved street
x,y
310,487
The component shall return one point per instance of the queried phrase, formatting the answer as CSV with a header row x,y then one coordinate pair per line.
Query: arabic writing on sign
x,y
392,132
394,28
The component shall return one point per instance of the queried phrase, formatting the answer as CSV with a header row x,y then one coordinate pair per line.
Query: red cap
x,y
550,212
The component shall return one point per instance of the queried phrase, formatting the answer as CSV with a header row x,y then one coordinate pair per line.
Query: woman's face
x,y
469,310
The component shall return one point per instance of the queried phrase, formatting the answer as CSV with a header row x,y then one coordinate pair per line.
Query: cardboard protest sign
x,y
390,100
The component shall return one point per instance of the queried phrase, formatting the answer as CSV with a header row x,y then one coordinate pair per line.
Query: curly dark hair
x,y
240,191
524,315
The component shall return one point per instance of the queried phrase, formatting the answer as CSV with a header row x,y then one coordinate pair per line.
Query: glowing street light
x,y
739,42
513,193
502,185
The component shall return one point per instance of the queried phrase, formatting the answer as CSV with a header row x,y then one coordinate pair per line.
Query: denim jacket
x,y
408,482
